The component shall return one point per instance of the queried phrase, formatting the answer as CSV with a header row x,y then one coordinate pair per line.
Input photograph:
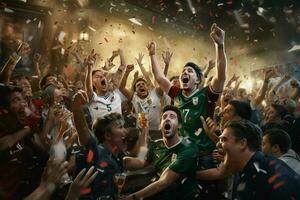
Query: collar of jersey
x,y
173,145
194,92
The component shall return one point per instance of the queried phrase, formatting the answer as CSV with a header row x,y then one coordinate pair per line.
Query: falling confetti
x,y
91,28
8,10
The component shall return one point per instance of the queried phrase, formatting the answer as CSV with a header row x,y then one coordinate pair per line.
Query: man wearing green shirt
x,y
194,102
173,157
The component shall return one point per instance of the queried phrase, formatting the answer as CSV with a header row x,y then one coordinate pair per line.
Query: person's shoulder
x,y
189,147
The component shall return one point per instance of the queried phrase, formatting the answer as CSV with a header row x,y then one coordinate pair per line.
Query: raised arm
x,y
263,90
167,59
218,36
161,79
11,63
89,63
84,133
144,72
274,89
166,179
127,93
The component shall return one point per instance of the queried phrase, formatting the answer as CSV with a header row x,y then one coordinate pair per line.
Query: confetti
x,y
49,13
136,21
28,21
39,24
91,28
106,40
294,48
153,19
8,10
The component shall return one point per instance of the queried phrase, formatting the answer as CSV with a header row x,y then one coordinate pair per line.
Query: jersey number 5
x,y
108,107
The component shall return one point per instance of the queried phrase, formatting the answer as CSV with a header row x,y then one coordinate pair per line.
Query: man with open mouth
x,y
193,102
102,100
174,159
145,99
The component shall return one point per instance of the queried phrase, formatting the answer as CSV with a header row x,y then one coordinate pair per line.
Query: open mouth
x,y
185,80
142,90
103,83
167,127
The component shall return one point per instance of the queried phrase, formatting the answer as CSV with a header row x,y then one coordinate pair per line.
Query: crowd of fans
x,y
205,137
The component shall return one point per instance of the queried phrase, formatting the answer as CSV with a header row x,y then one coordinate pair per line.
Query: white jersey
x,y
152,106
102,105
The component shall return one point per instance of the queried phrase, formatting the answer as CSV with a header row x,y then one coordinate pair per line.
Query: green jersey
x,y
180,158
199,103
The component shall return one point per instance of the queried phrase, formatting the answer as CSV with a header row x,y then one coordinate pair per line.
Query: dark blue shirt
x,y
267,178
106,163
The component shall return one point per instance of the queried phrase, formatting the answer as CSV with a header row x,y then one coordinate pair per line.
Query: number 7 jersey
x,y
199,103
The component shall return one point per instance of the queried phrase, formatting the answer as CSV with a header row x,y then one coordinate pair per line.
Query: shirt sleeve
x,y
173,92
211,98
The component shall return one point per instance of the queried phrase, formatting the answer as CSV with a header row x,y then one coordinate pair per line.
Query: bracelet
x,y
220,46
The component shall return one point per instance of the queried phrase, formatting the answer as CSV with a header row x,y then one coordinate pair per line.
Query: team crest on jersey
x,y
112,99
195,100
173,158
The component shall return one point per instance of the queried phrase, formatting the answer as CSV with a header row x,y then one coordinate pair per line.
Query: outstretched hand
x,y
139,59
167,55
209,125
81,182
217,34
91,59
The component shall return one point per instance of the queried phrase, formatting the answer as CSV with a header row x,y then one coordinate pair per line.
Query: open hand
x,y
167,55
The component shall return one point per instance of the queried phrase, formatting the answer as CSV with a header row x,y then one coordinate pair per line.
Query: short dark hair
x,y
281,110
104,125
195,67
5,93
174,77
279,137
246,129
44,80
174,109
242,109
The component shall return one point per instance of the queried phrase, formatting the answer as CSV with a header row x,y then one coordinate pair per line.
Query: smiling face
x,y
26,87
169,124
230,146
141,89
189,79
18,106
272,115
100,82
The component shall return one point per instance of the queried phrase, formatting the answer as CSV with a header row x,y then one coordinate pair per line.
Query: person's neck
x,y
244,159
169,142
187,92
101,93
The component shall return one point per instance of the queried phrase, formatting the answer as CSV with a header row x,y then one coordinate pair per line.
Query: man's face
x,y
26,87
227,114
117,136
169,124
141,89
226,96
18,106
188,78
230,146
100,81
8,34
58,96
51,80
266,146
271,115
